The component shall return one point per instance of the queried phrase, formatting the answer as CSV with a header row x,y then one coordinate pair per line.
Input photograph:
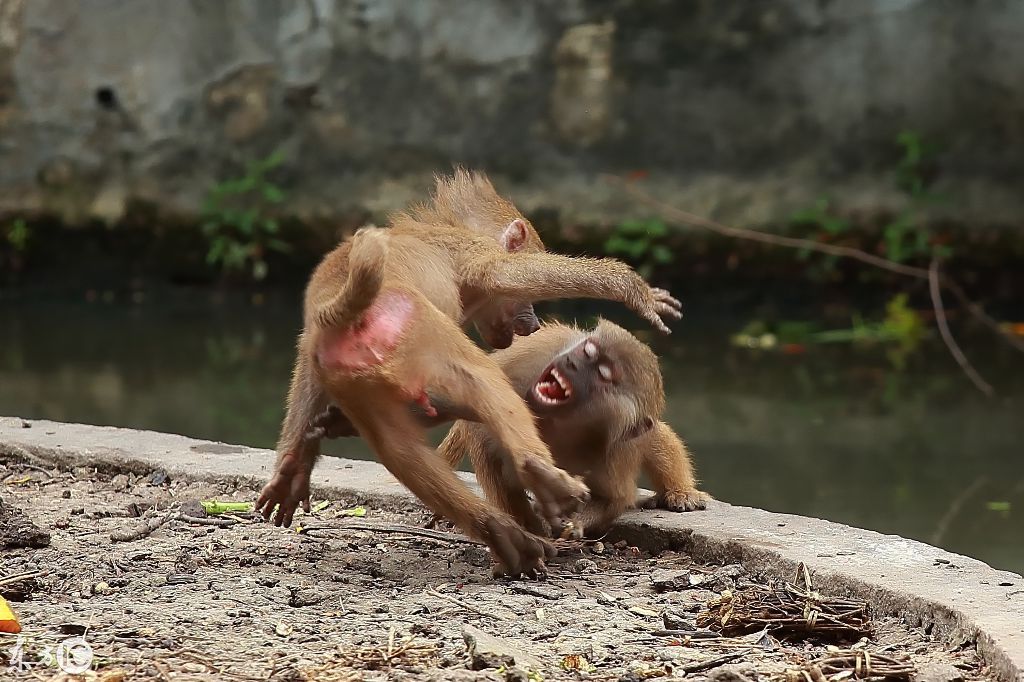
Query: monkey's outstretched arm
x,y
296,455
667,463
548,276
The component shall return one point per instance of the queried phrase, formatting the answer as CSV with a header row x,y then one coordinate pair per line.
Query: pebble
x,y
584,566
938,672
597,548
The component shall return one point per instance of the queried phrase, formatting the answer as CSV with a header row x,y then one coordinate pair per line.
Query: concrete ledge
x,y
960,599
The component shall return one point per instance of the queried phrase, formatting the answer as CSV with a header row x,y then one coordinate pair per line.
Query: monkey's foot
x,y
678,501
286,490
516,552
558,495
331,423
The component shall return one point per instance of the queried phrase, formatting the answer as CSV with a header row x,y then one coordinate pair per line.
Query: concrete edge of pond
x,y
961,600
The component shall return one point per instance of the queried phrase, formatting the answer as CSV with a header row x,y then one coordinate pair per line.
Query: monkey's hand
x,y
516,551
677,500
658,304
557,493
286,490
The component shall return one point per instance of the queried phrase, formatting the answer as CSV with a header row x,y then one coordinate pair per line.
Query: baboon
x,y
382,331
598,399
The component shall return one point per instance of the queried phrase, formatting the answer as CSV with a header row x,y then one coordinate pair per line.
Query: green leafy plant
x,y
18,235
238,230
641,241
904,238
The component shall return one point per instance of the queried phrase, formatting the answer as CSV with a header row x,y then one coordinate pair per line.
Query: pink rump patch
x,y
370,341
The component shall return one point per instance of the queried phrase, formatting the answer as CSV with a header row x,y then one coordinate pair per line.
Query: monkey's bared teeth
x,y
552,388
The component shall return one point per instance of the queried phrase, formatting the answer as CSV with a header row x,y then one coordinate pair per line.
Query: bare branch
x,y
679,215
767,238
936,280
935,288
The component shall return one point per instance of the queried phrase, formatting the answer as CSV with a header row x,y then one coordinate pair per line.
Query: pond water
x,y
835,433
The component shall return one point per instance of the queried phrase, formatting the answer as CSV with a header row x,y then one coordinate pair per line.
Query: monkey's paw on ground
x,y
678,501
286,490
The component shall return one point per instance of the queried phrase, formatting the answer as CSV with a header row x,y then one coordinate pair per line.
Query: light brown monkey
x,y
598,399
382,319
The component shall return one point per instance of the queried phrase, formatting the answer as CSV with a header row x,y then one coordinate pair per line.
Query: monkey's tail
x,y
365,273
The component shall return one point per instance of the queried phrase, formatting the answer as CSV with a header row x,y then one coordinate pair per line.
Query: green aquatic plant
x,y
238,230
642,242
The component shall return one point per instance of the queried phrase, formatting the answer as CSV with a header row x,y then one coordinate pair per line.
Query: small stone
x,y
119,483
307,597
101,588
475,555
641,611
665,580
62,524
584,566
159,477
486,651
938,672
66,494
675,619
737,672
193,668
26,425
193,508
77,511
597,548
605,599
267,582
283,629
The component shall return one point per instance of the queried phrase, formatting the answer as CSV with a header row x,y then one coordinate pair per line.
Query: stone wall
x,y
740,109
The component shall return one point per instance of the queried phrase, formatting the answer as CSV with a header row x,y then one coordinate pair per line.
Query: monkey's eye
x,y
605,371
590,349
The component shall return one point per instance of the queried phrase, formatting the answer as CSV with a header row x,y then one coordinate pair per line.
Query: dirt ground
x,y
361,598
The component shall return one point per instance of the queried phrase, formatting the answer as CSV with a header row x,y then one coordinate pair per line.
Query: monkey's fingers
x,y
663,296
665,310
654,318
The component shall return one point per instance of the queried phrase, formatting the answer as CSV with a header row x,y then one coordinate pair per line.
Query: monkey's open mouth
x,y
552,388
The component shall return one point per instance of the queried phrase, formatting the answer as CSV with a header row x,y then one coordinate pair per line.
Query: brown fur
x,y
382,320
608,437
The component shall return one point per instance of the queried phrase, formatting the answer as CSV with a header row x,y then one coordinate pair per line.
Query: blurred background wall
x,y
744,110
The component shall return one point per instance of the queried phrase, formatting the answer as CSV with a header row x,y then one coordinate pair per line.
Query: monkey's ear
x,y
639,429
514,236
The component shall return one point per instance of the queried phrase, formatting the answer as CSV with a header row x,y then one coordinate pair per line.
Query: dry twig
x,y
786,609
839,251
858,664
439,535
141,529
935,289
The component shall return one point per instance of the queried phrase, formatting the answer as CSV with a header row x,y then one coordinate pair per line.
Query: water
x,y
836,433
